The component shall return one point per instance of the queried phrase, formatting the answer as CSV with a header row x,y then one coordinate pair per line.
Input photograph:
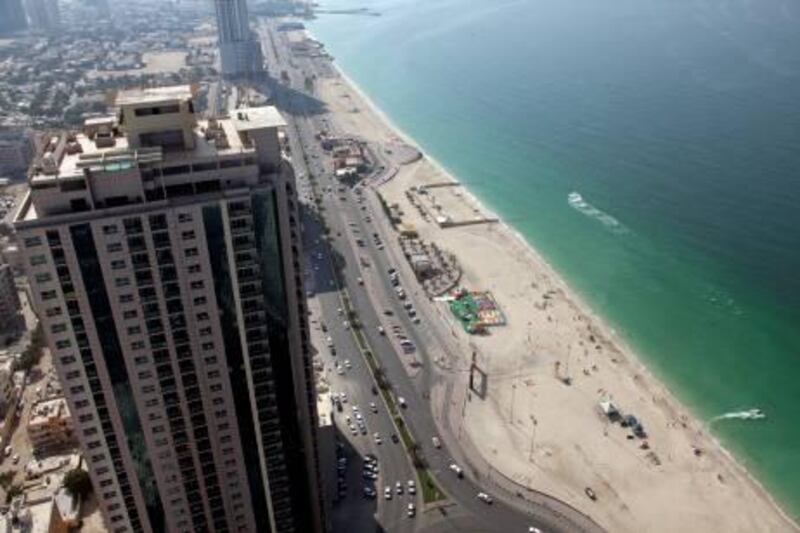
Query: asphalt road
x,y
463,511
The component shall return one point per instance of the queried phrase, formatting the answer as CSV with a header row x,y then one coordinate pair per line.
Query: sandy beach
x,y
532,427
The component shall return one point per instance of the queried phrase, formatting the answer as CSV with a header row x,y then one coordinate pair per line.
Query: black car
x,y
395,438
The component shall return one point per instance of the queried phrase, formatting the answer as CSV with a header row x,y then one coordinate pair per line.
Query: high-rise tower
x,y
12,16
164,260
239,51
43,14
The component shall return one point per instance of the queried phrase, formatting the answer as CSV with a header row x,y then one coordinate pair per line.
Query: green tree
x,y
13,492
78,483
6,478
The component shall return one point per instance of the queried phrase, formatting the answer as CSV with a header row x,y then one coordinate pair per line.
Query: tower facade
x,y
165,266
12,16
239,51
43,15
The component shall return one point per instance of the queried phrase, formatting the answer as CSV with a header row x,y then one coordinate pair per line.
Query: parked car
x,y
457,469
482,496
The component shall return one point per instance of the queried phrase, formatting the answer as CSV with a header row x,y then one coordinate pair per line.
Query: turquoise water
x,y
650,150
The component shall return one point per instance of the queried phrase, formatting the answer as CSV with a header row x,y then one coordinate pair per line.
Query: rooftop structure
x,y
50,425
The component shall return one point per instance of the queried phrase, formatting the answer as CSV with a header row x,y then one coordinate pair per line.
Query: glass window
x,y
30,242
37,260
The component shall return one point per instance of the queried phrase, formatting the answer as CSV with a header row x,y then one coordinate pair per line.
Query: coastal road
x,y
463,511
348,374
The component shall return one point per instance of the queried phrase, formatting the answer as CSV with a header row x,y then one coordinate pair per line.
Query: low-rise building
x,y
326,439
50,425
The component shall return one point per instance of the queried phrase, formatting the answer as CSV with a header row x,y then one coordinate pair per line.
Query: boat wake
x,y
577,202
748,414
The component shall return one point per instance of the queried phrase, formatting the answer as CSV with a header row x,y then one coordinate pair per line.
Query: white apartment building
x,y
164,262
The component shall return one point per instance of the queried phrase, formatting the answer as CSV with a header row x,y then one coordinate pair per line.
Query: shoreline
x,y
621,345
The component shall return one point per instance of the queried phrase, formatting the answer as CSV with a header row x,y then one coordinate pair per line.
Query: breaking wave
x,y
748,414
577,202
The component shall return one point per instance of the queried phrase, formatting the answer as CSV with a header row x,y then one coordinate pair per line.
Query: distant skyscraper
x,y
239,50
12,16
164,262
43,14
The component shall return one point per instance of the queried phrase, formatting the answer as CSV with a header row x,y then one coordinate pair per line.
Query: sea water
x,y
650,150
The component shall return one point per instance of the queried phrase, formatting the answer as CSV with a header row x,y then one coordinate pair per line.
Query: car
x,y
369,492
395,438
347,364
457,469
346,324
343,397
532,529
381,330
8,451
359,417
401,401
412,487
329,341
371,457
388,312
391,270
347,419
367,474
590,493
412,510
373,407
339,369
374,390
482,496
377,438
387,493
408,305
416,320
363,429
360,280
398,487
15,459
412,312
436,442
353,429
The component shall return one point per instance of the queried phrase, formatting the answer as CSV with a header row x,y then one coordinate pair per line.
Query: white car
x,y
381,330
377,438
330,342
436,442
373,407
347,364
398,488
343,397
532,529
401,401
482,496
457,469
387,493
412,510
412,487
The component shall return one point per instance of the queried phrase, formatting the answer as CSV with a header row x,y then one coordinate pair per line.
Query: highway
x,y
350,217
